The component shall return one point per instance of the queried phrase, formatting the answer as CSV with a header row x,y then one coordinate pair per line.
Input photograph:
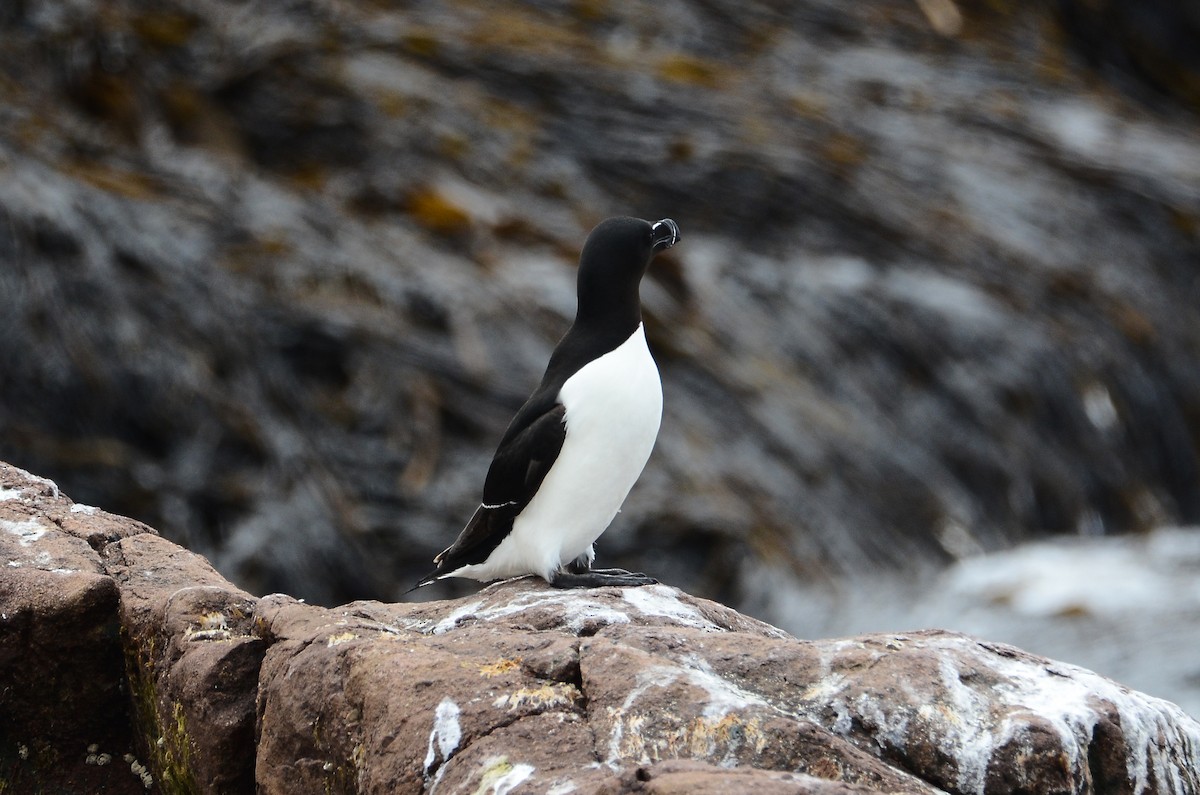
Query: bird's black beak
x,y
664,234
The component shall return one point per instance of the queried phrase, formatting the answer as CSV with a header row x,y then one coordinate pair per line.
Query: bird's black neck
x,y
609,308
608,312
591,336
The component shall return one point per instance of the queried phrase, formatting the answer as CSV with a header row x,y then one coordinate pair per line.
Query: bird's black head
x,y
611,266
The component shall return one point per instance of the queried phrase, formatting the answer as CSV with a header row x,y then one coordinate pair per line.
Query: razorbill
x,y
575,449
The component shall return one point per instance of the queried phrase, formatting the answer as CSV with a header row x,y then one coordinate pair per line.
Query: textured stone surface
x,y
192,657
138,651
62,679
544,687
698,778
588,685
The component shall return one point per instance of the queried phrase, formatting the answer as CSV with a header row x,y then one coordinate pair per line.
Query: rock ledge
x,y
135,666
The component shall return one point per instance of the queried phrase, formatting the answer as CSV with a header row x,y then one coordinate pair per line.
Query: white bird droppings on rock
x,y
27,531
663,601
578,609
451,621
444,738
501,777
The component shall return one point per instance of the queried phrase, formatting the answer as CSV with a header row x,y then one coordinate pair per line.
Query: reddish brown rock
x,y
680,777
114,638
973,716
63,708
654,706
126,659
539,689
192,656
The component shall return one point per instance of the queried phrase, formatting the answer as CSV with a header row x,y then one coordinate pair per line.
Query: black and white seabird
x,y
575,449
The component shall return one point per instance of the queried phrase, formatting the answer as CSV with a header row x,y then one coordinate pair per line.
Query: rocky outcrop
x,y
131,665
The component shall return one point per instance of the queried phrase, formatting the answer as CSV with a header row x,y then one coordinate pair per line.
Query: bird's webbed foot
x,y
577,577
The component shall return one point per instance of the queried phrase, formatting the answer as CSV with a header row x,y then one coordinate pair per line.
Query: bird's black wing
x,y
528,450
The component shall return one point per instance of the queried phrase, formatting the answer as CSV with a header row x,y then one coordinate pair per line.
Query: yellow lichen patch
x,y
690,70
500,775
212,625
183,104
757,131
809,104
454,146
826,767
1134,324
505,28
165,29
547,696
339,639
498,667
432,210
705,736
844,150
669,737
309,175
213,620
393,105
128,184
939,713
824,689
634,744
590,10
423,43
500,114
30,129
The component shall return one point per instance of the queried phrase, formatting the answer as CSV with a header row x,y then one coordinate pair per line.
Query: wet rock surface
x,y
520,688
276,277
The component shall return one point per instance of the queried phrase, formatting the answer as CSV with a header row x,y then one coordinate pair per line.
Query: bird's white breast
x,y
613,411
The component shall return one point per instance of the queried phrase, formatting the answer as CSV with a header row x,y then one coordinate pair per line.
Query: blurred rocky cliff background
x,y
274,276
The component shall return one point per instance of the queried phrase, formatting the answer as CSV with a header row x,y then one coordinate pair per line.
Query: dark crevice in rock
x,y
585,704
1106,752
567,672
576,678
590,629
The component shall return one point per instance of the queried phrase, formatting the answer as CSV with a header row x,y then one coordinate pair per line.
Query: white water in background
x,y
1127,607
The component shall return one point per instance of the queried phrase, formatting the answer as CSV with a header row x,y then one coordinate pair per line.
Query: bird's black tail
x,y
429,578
